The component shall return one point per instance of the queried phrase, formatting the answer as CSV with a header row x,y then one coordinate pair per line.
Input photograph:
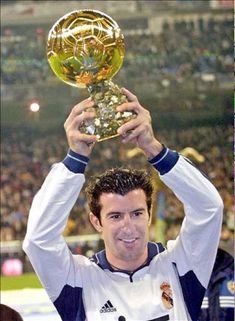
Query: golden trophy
x,y
86,49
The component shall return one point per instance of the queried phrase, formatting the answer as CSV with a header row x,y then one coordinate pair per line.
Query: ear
x,y
95,222
150,219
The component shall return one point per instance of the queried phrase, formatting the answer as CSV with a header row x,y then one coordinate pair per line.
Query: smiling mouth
x,y
128,241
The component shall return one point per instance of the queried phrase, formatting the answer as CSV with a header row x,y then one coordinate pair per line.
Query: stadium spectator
x,y
218,303
26,160
201,50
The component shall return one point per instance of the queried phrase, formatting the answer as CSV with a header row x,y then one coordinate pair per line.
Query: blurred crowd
x,y
27,158
180,51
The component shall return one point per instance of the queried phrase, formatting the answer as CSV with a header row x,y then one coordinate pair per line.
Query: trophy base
x,y
107,96
107,137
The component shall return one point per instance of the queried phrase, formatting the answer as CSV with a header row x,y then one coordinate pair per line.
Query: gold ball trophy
x,y
86,49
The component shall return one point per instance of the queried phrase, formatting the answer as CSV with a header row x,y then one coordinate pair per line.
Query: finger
x,y
88,139
79,108
128,126
82,137
133,135
132,106
129,95
83,105
74,124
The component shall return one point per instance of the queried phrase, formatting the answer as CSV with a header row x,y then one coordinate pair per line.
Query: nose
x,y
127,223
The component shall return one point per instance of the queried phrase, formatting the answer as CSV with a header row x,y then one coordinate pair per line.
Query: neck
x,y
127,264
128,270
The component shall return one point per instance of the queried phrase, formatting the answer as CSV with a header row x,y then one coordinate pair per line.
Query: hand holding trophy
x,y
86,49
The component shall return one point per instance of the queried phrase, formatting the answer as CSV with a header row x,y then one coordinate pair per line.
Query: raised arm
x,y
44,243
193,253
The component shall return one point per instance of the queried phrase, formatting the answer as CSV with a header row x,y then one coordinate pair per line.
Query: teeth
x,y
129,241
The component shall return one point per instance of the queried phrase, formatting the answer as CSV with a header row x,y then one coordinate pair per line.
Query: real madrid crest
x,y
167,299
231,287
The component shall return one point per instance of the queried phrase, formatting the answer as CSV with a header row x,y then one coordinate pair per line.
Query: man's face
x,y
124,228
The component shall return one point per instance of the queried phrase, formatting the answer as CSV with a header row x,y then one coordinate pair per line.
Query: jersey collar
x,y
101,260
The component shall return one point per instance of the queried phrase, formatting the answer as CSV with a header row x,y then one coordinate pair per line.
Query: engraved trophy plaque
x,y
86,49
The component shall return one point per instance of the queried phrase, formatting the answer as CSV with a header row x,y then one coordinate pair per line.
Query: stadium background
x,y
178,61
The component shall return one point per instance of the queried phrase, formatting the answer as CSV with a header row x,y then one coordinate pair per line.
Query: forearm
x,y
52,204
185,180
196,246
44,243
193,188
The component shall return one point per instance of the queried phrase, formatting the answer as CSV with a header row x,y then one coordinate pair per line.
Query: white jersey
x,y
170,286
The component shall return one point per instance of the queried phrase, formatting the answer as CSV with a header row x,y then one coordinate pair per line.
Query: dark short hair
x,y
118,181
7,313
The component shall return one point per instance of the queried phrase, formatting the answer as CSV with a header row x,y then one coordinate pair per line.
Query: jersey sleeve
x,y
193,252
199,236
44,243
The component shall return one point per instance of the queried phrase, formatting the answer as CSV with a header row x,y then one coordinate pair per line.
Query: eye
x,y
137,213
115,216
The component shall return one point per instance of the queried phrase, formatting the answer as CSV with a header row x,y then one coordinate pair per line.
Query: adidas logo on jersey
x,y
108,307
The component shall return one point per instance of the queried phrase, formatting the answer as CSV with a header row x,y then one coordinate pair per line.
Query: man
x,y
132,279
218,303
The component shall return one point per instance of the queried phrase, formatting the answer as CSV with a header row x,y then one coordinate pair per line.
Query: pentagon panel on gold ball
x,y
86,49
